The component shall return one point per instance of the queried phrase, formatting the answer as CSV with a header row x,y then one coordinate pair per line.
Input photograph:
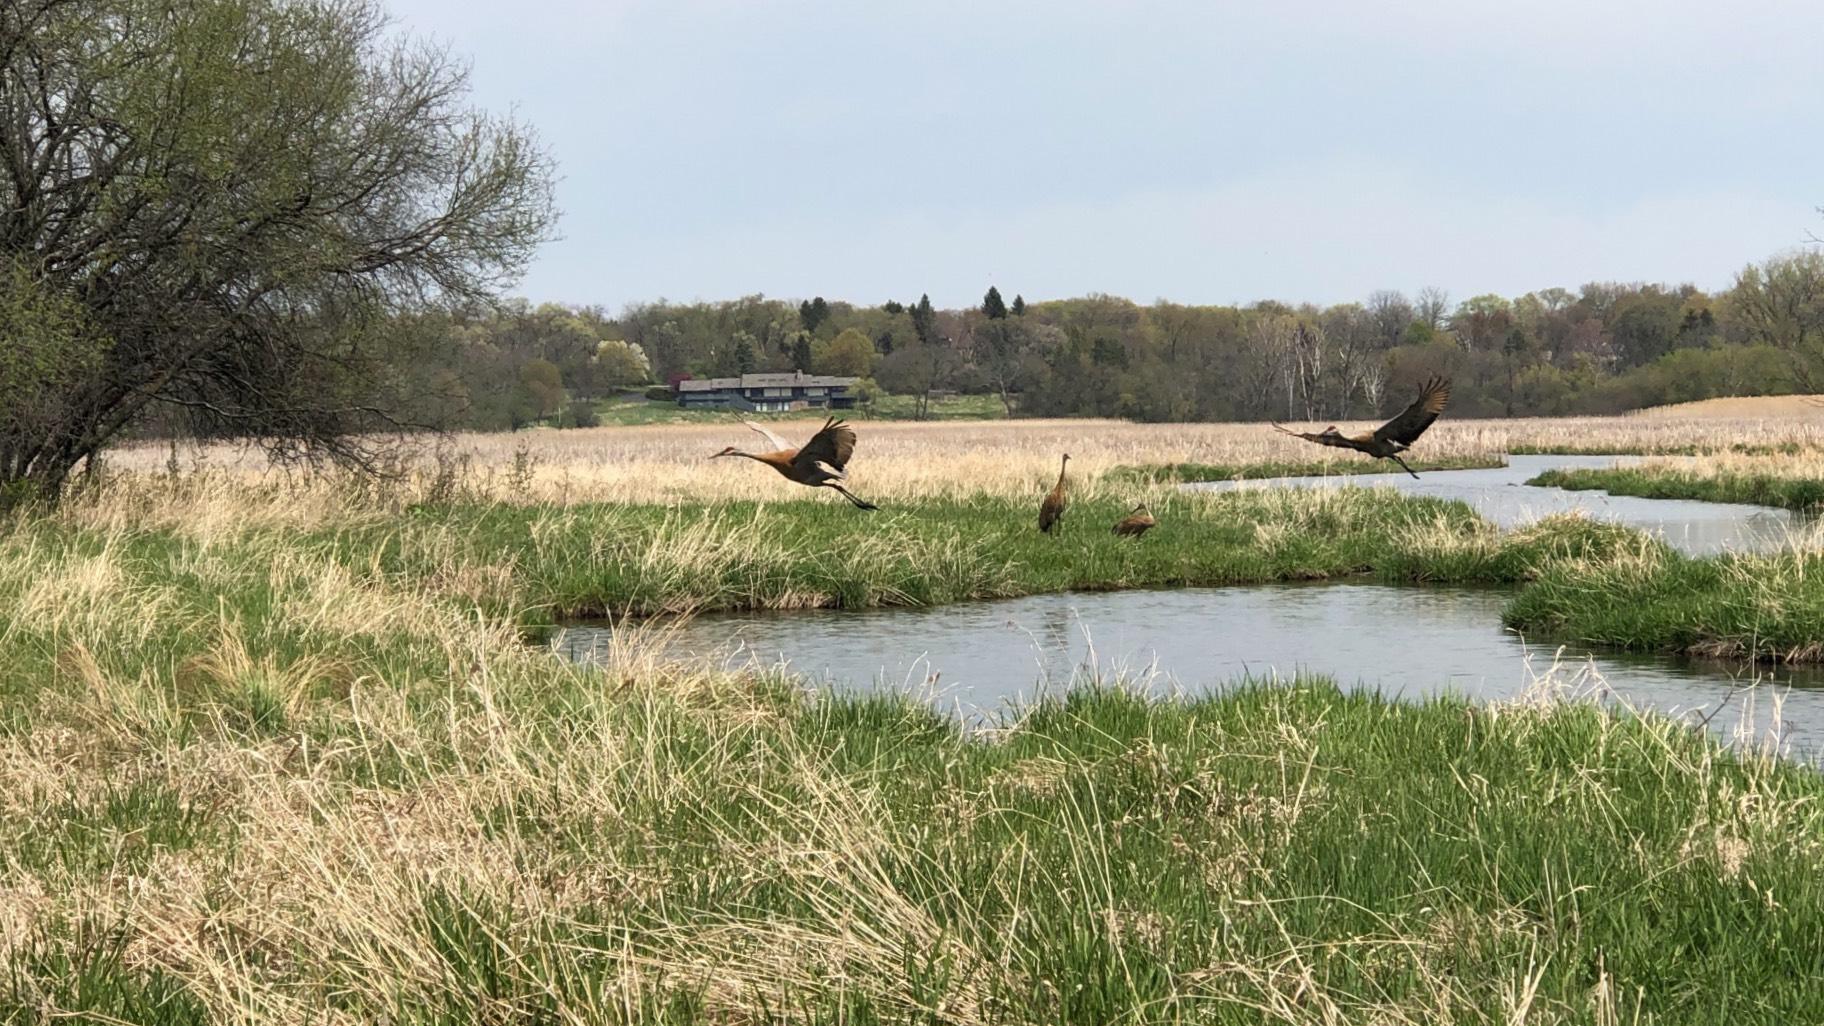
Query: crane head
x,y
730,451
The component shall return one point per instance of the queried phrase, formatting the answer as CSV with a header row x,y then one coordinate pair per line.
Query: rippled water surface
x,y
1402,640
980,656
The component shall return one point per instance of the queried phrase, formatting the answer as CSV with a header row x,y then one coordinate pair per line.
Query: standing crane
x,y
1394,437
1136,523
1051,511
819,463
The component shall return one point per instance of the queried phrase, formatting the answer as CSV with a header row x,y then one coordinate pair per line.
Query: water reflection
x,y
1402,640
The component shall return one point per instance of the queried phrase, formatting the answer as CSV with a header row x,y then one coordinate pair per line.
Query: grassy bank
x,y
1766,607
1702,484
262,775
1180,473
641,560
279,754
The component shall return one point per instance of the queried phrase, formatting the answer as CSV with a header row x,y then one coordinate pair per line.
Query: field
x,y
273,748
911,461
1739,407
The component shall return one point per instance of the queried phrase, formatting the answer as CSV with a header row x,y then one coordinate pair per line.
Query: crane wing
x,y
831,446
1412,422
1334,440
771,439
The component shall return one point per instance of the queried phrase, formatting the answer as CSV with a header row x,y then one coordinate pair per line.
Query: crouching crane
x,y
1136,523
1394,437
819,463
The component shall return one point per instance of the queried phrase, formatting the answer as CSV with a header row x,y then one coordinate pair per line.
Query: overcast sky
x,y
1199,152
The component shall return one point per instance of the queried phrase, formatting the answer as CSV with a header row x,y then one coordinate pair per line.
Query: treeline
x,y
1603,348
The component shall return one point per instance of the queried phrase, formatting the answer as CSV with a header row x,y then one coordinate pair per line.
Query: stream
x,y
981,657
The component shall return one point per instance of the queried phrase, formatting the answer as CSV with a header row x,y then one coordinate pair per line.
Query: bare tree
x,y
218,206
1392,315
1432,307
1351,335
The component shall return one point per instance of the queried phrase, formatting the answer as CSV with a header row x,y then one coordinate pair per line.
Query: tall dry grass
x,y
902,461
250,772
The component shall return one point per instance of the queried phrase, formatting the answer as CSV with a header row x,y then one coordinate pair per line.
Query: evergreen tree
x,y
1019,305
992,306
801,351
747,359
924,320
813,313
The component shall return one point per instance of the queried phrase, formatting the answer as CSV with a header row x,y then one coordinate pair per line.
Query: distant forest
x,y
1601,348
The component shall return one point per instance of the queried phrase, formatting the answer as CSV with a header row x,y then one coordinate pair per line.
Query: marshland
x,y
384,641
282,746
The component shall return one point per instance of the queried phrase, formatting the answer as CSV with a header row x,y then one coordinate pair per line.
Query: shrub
x,y
581,414
660,393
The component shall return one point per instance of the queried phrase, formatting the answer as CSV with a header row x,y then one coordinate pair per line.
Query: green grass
x,y
640,560
253,771
1188,472
637,410
1671,483
1766,607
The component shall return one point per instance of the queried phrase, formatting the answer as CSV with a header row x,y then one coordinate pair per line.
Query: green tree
x,y
1019,305
918,370
992,307
801,352
1644,325
924,320
747,354
542,386
849,354
225,202
1781,303
812,313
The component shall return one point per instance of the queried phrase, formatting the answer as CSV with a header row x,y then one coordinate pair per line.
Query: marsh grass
x,y
913,462
274,750
1786,483
1756,606
1191,472
439,825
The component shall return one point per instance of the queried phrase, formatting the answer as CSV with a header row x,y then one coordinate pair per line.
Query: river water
x,y
1502,495
981,657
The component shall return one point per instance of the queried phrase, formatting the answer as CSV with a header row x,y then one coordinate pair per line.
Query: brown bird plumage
x,y
819,463
1056,501
1394,437
1136,523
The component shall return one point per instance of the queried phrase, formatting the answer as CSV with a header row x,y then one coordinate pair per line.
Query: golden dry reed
x,y
907,461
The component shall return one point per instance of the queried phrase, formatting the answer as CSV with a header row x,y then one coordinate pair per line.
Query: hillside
x,y
1742,406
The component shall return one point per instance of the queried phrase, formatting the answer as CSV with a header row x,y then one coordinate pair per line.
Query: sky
x,y
1201,152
